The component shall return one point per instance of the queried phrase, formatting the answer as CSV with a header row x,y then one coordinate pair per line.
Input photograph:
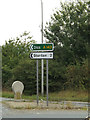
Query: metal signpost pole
x,y
42,20
37,82
42,82
42,68
47,79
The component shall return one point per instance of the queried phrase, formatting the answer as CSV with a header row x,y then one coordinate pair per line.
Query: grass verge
x,y
60,96
42,105
69,96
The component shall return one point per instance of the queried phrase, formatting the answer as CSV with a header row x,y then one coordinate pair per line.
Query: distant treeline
x,y
68,30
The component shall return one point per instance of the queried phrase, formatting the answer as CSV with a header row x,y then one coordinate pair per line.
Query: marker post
x,y
37,82
47,80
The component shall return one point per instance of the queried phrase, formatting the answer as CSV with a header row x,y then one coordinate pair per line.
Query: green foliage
x,y
68,29
25,72
7,94
56,76
77,76
14,51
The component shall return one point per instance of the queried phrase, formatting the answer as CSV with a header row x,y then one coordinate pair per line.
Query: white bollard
x,y
17,88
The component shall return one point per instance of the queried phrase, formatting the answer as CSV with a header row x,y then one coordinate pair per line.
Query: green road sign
x,y
42,47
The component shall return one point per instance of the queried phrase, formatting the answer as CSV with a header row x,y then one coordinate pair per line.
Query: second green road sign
x,y
42,47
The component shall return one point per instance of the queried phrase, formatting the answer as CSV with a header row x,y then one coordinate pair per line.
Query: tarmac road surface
x,y
34,113
15,113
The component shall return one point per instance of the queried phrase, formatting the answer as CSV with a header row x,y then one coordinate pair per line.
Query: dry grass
x,y
59,96
41,105
69,96
7,94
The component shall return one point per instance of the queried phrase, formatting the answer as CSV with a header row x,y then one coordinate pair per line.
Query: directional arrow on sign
x,y
31,55
31,47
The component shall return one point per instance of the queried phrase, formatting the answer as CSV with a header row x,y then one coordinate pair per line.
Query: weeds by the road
x,y
7,94
60,96
42,105
69,96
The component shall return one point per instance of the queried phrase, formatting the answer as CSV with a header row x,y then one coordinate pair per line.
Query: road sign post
x,y
42,77
42,61
42,55
47,80
37,82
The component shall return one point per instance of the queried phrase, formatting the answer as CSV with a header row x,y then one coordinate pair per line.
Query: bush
x,y
77,76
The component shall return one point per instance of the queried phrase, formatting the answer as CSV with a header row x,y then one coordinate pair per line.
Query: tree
x,y
13,52
77,76
68,29
25,72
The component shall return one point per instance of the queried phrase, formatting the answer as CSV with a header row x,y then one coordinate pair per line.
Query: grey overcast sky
x,y
17,16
